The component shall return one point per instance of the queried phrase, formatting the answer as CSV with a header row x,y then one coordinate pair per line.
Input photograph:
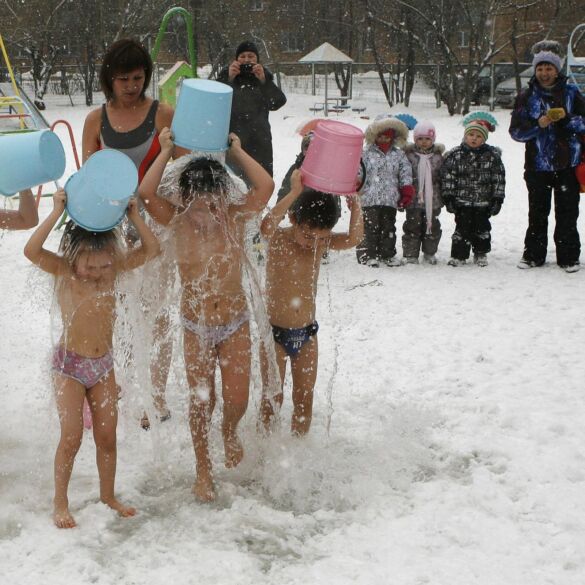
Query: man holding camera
x,y
255,94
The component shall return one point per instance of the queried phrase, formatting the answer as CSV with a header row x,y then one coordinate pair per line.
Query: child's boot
x,y
430,259
480,259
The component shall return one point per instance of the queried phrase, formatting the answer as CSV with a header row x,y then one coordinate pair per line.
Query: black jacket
x,y
251,103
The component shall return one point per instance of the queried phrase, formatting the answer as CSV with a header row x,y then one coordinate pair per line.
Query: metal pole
x,y
350,81
313,85
325,108
492,87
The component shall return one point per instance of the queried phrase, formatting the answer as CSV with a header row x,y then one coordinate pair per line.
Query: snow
x,y
454,401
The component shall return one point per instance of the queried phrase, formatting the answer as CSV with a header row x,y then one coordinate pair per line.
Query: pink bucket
x,y
333,159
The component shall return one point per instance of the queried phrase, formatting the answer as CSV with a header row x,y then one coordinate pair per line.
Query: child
x,y
422,228
473,181
25,218
209,233
86,271
388,187
292,273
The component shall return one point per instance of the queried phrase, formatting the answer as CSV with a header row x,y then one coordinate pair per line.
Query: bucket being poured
x,y
28,159
202,118
98,194
332,162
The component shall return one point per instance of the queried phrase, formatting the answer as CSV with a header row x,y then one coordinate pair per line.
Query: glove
x,y
450,206
406,196
495,206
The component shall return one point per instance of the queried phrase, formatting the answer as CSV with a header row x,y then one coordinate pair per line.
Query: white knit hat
x,y
547,52
425,129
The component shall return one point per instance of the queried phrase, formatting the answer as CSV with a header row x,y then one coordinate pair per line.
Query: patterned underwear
x,y
87,371
213,335
293,339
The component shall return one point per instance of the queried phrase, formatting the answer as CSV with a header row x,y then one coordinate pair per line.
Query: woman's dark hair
x,y
77,239
203,175
124,56
315,209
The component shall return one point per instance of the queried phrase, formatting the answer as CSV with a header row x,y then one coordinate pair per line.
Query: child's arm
x,y
150,247
34,251
161,210
356,227
273,218
25,218
262,183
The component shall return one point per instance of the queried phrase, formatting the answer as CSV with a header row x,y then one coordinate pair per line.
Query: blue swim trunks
x,y
293,339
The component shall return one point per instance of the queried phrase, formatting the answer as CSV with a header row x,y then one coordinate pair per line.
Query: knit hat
x,y
425,129
247,46
482,122
385,122
547,52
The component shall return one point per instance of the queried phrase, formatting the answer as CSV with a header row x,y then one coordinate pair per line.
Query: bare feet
x,y
234,452
63,518
124,511
203,487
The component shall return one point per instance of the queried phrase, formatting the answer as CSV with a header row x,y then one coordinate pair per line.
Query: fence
x,y
307,79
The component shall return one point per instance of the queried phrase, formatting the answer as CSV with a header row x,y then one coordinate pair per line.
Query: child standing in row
x,y
292,274
422,229
86,270
473,188
388,187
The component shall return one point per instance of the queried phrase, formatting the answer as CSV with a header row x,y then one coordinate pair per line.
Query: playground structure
x,y
576,65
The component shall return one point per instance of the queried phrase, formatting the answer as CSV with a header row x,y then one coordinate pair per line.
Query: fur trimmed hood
x,y
387,122
436,149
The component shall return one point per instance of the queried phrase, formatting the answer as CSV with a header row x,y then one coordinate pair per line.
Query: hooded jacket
x,y
557,146
251,103
473,177
386,173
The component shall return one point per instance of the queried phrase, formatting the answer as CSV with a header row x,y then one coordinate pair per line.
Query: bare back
x,y
292,272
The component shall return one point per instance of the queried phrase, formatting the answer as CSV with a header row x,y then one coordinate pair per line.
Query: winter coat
x,y
473,177
436,163
251,103
386,174
557,146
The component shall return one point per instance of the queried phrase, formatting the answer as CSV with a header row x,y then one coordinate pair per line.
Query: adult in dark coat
x,y
255,94
549,116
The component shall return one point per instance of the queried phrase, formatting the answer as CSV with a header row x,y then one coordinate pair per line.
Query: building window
x,y
256,5
292,42
463,39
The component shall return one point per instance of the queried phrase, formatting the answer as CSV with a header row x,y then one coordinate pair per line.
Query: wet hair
x,y
124,56
76,240
203,175
315,209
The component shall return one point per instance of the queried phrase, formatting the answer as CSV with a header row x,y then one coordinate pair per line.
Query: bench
x,y
317,108
358,110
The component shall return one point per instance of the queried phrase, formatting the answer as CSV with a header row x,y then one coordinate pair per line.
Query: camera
x,y
246,68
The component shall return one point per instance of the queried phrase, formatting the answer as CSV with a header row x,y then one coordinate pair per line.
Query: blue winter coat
x,y
557,146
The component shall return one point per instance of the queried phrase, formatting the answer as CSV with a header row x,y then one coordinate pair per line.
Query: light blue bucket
x,y
202,118
98,194
28,159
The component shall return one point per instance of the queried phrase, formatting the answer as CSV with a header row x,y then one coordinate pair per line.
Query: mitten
x,y
407,194
495,206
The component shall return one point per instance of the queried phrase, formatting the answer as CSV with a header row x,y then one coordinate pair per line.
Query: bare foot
x,y
203,487
63,518
234,452
144,422
124,511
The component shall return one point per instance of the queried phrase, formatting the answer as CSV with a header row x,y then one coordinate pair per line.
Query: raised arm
x,y
159,209
25,218
273,218
34,250
150,247
261,181
356,227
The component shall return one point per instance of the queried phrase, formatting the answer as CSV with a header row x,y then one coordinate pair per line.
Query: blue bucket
x,y
202,118
98,194
28,159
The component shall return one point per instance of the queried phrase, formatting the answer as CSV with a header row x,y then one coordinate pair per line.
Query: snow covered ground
x,y
455,453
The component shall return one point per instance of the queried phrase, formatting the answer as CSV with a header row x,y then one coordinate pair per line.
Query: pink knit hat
x,y
424,129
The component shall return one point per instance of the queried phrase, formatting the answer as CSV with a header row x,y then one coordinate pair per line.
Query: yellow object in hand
x,y
556,114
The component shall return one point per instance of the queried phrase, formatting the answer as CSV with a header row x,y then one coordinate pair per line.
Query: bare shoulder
x,y
164,116
94,117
